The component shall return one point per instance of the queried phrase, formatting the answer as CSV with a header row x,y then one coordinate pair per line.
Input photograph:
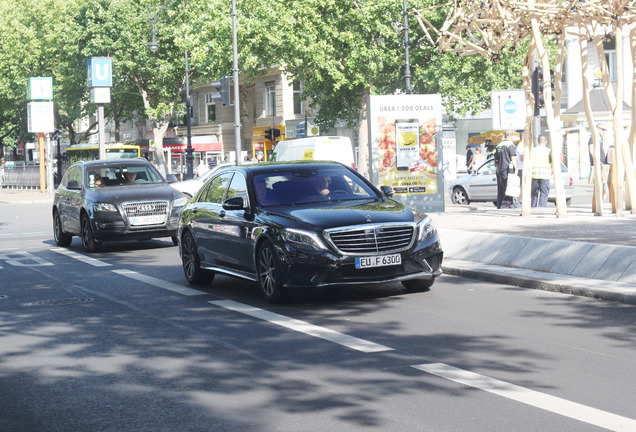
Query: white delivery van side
x,y
338,149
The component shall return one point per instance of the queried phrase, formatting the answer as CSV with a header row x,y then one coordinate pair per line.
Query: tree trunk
x,y
553,127
526,180
597,200
364,163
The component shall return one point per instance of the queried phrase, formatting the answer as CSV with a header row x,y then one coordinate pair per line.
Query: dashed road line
x,y
303,327
179,289
83,258
531,397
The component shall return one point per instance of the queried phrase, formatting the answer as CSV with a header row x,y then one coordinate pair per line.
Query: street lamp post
x,y
407,68
154,46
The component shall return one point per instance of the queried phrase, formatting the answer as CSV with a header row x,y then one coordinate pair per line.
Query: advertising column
x,y
405,148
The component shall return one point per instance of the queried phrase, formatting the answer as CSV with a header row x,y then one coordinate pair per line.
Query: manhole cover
x,y
60,301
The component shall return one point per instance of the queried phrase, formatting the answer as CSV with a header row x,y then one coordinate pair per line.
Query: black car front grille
x,y
147,208
373,239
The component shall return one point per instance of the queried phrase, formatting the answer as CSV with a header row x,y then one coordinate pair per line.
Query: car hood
x,y
149,192
341,214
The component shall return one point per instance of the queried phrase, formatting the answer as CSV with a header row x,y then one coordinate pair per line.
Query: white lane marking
x,y
179,289
83,258
531,397
303,327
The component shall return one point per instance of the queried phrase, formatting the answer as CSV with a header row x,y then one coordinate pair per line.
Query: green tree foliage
x,y
342,51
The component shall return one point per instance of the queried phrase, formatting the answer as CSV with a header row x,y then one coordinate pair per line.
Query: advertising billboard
x,y
405,148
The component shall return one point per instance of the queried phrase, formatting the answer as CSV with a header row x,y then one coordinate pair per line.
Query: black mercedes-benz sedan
x,y
109,200
302,225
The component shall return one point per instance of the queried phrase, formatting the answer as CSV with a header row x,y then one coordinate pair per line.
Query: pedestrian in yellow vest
x,y
541,172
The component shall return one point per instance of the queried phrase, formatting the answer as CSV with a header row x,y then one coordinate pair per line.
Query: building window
x,y
270,99
210,105
298,102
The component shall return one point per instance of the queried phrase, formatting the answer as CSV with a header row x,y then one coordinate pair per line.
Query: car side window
x,y
215,191
488,168
74,173
238,187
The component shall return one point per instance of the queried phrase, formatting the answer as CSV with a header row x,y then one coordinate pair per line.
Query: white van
x,y
326,148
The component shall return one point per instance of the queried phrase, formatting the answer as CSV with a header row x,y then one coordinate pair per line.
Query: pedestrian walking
x,y
541,172
469,158
505,162
477,160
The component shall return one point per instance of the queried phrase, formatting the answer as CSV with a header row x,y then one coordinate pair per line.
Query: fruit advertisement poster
x,y
404,144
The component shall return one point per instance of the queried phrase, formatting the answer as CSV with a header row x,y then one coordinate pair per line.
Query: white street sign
x,y
508,109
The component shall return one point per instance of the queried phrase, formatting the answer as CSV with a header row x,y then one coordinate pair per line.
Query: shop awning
x,y
493,135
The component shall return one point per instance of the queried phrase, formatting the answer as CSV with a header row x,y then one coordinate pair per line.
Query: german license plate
x,y
147,220
378,261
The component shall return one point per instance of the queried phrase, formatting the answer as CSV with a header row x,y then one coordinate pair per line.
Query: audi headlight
x,y
426,229
303,239
180,202
105,207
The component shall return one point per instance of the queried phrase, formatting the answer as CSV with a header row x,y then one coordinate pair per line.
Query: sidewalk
x,y
582,254
26,196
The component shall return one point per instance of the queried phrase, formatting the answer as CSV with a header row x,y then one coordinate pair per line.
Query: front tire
x,y
418,285
88,238
460,196
61,238
269,273
192,270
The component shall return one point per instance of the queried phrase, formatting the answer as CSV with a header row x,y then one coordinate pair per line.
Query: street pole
x,y
407,69
102,134
189,157
237,110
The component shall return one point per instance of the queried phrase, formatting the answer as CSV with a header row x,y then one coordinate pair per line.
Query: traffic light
x,y
537,87
224,89
272,133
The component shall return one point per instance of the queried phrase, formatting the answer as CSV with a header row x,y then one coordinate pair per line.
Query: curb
x,y
593,288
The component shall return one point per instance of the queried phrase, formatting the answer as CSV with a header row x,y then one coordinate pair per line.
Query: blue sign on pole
x,y
100,72
300,130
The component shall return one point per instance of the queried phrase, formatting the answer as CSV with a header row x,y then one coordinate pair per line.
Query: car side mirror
x,y
387,191
171,178
73,185
236,203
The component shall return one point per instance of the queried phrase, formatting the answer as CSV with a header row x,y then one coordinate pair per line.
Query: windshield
x,y
122,175
302,185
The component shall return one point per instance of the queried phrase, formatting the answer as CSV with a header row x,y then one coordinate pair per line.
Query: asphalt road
x,y
117,340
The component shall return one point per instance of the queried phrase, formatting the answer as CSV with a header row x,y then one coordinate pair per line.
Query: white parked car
x,y
190,187
481,186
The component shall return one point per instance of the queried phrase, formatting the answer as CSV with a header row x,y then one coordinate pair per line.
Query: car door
x,y
233,237
483,186
70,200
205,220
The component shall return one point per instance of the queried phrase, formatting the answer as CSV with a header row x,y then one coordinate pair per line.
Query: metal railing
x,y
21,177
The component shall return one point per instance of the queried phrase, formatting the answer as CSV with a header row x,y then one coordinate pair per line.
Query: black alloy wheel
x,y
192,270
88,238
61,238
268,270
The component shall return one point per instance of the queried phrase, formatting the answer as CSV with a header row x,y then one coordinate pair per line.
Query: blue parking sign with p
x,y
100,72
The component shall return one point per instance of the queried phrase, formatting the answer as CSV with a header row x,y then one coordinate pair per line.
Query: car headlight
x,y
426,229
180,202
105,207
303,240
